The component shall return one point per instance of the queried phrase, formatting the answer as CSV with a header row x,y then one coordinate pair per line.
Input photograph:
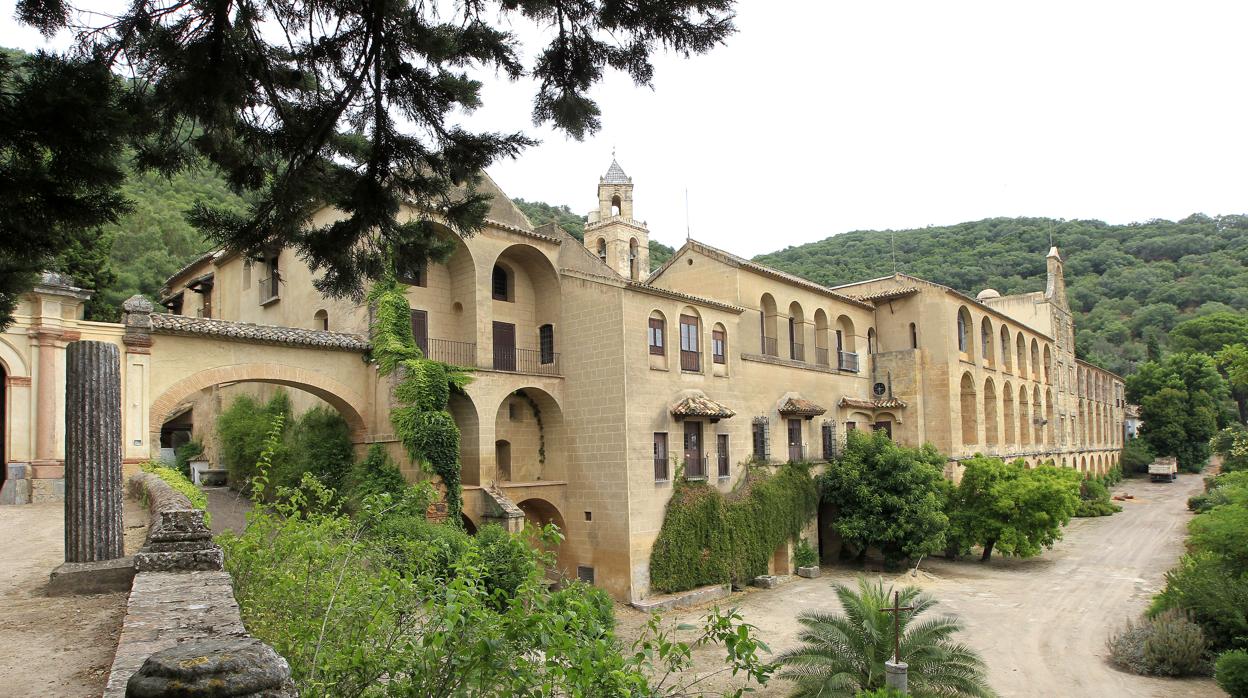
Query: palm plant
x,y
842,655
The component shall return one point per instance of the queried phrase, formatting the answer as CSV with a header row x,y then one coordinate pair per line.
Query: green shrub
x,y
181,483
1168,644
1136,455
881,693
375,474
241,431
709,538
1211,594
1094,499
804,555
1176,646
505,559
591,609
187,452
1231,673
319,442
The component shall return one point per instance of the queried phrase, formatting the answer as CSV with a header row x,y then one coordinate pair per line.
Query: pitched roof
x,y
677,295
733,260
800,407
880,404
700,406
259,334
615,174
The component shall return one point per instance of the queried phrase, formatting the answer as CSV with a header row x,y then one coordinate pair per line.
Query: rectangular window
x,y
660,456
719,346
721,454
828,434
656,336
690,358
850,426
420,330
758,436
840,341
585,574
546,343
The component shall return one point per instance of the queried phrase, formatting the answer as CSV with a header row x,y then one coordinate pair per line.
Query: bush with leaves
x,y
1010,508
241,431
1167,644
1136,456
1094,498
842,655
187,452
889,496
804,555
319,443
181,483
1231,673
316,585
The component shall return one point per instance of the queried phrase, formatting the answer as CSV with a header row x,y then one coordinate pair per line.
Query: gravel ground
x,y
228,508
54,646
1040,624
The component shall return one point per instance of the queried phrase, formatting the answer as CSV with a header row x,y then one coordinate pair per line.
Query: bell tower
x,y
612,234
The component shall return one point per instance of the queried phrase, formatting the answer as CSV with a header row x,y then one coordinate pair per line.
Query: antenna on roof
x,y
688,230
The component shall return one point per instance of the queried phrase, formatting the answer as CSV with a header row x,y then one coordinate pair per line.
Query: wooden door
x,y
420,330
693,450
504,346
795,440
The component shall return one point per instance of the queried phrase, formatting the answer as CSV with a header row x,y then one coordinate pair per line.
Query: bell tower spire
x,y
612,234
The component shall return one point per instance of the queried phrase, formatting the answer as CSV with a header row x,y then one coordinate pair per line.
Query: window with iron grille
x,y
656,335
499,284
721,454
546,343
828,432
660,456
758,432
585,574
719,346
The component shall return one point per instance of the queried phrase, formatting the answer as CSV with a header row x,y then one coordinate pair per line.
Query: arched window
x,y
321,320
964,330
690,342
797,332
719,344
616,208
914,336
658,330
500,283
871,348
992,426
1005,349
632,259
985,341
1021,352
846,344
767,325
1048,365
602,250
970,412
1035,359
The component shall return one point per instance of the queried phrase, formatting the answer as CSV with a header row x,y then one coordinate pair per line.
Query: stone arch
x,y
1006,363
1024,417
634,270
965,344
987,342
767,324
1048,364
1008,417
821,337
320,320
872,347
1021,355
797,332
1050,430
11,361
470,526
464,412
531,421
600,249
539,512
1037,410
970,411
845,330
692,343
341,397
1035,359
1083,464
992,426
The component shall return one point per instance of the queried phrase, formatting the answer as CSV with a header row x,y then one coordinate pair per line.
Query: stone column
x,y
93,488
895,675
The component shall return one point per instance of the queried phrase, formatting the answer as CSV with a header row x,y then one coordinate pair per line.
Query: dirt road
x,y
1040,624
54,646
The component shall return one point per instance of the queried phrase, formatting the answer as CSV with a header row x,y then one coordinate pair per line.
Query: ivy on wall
x,y
712,538
541,430
421,421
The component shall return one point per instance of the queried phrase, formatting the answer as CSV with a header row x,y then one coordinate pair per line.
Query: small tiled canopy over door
x,y
693,449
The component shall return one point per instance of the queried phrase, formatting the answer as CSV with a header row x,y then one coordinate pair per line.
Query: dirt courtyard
x,y
1040,624
54,646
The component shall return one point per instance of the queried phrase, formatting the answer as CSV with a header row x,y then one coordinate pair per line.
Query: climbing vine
x,y
421,421
711,538
541,431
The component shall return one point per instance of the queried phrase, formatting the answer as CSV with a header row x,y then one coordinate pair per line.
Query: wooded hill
x,y
1128,285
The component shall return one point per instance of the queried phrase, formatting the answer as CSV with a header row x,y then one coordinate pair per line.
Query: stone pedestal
x,y
895,675
93,487
213,668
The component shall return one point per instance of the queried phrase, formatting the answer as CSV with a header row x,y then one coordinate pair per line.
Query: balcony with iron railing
x,y
690,361
821,356
770,346
797,351
512,360
269,290
449,351
847,361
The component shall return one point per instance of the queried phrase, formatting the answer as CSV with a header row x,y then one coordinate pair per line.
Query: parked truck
x,y
1164,469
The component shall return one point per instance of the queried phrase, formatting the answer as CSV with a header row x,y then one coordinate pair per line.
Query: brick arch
x,y
348,403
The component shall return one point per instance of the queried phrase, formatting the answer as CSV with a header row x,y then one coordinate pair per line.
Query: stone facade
x,y
572,397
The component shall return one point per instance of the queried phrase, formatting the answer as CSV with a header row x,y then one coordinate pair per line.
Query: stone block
x,y
766,581
47,490
102,577
811,572
213,668
683,599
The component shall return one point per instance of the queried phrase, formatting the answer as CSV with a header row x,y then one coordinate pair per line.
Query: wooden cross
x,y
896,610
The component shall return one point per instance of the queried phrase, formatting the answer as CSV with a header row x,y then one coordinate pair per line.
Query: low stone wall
x,y
182,627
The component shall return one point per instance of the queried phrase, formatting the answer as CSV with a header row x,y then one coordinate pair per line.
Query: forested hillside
x,y
1128,284
541,213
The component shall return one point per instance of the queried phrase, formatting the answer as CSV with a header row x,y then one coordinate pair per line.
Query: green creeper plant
x,y
179,482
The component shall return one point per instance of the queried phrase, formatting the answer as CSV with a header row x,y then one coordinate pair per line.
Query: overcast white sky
x,y
823,117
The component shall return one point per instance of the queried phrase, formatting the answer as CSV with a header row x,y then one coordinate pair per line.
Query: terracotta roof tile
x,y
260,334
798,406
700,406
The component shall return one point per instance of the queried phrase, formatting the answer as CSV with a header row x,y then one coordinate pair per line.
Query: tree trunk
x,y
987,550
